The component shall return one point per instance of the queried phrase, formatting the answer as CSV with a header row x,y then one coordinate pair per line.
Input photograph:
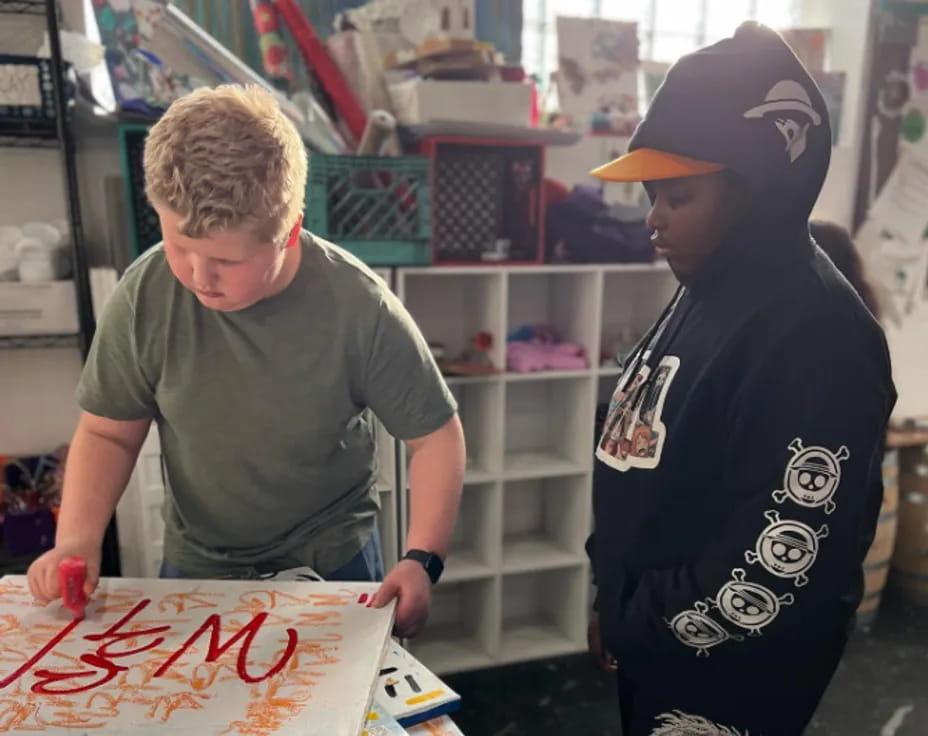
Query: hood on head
x,y
748,104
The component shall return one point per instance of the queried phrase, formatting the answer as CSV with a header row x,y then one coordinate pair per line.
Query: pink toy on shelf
x,y
534,348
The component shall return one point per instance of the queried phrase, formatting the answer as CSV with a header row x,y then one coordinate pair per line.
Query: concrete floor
x,y
880,689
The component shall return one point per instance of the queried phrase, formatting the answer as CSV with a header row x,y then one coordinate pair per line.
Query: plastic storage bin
x,y
378,208
488,197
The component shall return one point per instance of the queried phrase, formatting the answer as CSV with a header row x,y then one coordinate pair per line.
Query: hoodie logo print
x,y
749,605
696,629
794,115
812,476
787,548
633,434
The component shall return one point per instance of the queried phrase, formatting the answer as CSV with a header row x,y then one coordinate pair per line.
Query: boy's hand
x,y
409,582
594,641
43,572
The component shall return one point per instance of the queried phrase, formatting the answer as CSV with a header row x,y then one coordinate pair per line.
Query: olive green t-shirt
x,y
264,414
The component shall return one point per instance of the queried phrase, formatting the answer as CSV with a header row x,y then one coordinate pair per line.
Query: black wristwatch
x,y
429,560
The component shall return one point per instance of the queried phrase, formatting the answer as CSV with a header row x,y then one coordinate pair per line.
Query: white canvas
x,y
282,658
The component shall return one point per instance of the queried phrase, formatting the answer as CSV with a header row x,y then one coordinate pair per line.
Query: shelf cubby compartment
x,y
565,300
543,614
545,523
463,629
548,427
479,407
475,549
451,305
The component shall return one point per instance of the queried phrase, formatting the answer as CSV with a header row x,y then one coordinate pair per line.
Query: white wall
x,y
37,403
849,24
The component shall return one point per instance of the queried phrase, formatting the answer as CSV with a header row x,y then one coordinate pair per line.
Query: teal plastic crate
x,y
377,208
144,226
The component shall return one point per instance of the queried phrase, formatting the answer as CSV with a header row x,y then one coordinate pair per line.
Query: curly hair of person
x,y
226,158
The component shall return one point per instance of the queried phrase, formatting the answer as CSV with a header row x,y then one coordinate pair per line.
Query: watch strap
x,y
429,560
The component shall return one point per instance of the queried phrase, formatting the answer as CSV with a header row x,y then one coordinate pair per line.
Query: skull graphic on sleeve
x,y
696,629
812,476
749,605
787,548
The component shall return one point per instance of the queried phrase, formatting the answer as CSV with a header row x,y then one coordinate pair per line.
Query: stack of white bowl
x,y
35,252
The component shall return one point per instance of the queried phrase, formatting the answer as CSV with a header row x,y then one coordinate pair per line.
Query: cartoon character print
x,y
615,429
812,476
696,629
749,605
633,434
787,548
641,441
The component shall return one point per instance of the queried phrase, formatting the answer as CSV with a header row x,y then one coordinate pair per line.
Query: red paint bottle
x,y
72,574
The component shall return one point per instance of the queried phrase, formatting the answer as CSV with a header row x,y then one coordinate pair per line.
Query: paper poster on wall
x,y
141,81
914,121
900,268
239,658
894,237
918,71
597,80
903,201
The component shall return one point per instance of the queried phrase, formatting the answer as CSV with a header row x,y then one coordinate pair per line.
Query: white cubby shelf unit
x,y
516,583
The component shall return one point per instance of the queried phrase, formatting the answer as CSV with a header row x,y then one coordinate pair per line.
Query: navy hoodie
x,y
738,476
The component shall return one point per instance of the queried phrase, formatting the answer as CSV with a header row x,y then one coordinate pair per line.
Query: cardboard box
x,y
421,101
48,308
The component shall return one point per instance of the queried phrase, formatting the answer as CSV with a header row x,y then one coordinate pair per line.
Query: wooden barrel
x,y
876,563
909,573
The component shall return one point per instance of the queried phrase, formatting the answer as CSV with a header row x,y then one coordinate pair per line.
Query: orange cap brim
x,y
648,164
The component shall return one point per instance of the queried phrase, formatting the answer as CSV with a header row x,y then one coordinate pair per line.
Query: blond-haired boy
x,y
260,351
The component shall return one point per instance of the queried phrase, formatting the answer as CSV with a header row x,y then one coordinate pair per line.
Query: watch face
x,y
434,567
432,563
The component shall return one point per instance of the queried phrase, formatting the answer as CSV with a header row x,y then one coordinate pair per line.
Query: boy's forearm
x,y
97,471
436,474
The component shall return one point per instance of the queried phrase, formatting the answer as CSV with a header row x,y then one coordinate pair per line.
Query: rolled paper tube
x,y
380,126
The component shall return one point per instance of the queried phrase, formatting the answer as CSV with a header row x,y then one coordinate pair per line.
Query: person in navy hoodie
x,y
737,482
